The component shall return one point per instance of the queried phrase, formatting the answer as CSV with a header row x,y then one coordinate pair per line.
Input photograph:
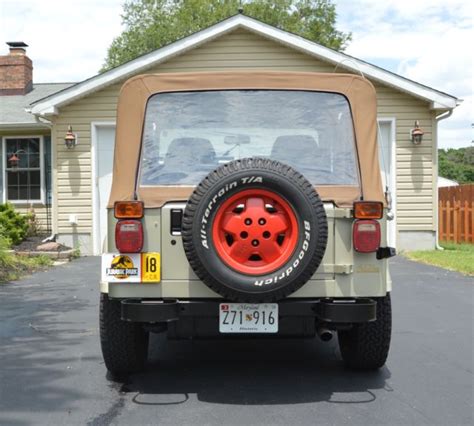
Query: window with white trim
x,y
23,169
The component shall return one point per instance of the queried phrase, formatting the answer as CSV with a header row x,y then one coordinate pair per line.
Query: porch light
x,y
70,140
417,134
13,161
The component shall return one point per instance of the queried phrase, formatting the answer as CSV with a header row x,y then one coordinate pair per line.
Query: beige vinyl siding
x,y
241,50
38,208
414,164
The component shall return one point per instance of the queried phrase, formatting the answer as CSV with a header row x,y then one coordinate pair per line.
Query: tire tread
x,y
268,165
366,346
124,345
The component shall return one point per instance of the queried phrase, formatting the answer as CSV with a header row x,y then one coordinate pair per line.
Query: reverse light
x,y
368,210
128,209
129,236
366,236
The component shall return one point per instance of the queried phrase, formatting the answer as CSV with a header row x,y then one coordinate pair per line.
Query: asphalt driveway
x,y
51,370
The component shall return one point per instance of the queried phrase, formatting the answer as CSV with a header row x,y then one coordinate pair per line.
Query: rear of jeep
x,y
246,204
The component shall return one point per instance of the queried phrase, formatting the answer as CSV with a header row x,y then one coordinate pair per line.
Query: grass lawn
x,y
455,257
13,267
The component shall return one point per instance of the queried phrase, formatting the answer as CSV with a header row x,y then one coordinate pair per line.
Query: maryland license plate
x,y
248,318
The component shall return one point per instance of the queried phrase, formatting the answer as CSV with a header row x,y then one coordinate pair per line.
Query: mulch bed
x,y
30,244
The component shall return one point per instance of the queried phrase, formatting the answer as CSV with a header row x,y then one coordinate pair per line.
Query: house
x,y
80,176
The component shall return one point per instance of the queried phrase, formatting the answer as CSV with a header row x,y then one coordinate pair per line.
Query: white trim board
x,y
50,105
392,225
96,249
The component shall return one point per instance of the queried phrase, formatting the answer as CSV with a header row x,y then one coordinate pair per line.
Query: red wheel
x,y
255,231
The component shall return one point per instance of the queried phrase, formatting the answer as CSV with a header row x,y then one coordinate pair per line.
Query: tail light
x,y
129,236
366,236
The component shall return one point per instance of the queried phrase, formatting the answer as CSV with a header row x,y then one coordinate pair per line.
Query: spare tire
x,y
254,230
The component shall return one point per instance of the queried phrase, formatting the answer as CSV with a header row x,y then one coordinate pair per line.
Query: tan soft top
x,y
136,92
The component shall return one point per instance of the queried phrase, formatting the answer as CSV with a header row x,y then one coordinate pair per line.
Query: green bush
x,y
6,259
13,267
13,225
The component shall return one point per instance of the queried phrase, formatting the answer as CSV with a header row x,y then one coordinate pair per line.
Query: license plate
x,y
248,317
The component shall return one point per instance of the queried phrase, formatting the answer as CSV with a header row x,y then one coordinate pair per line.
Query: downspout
x,y
440,117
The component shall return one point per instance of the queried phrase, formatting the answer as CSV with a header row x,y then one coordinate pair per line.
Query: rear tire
x,y
366,346
240,281
124,344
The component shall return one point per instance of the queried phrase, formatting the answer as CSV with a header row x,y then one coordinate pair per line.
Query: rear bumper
x,y
322,310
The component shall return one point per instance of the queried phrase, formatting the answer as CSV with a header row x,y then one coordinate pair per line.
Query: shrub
x,y
34,227
6,259
13,225
13,267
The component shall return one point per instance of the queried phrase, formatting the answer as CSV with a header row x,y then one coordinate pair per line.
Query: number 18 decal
x,y
151,267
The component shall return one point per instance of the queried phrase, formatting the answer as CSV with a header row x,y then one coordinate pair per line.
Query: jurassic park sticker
x,y
121,267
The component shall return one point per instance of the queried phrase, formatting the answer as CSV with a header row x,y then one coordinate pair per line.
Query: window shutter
x,y
47,168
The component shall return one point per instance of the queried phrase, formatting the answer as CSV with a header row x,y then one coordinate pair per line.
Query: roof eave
x,y
24,125
50,105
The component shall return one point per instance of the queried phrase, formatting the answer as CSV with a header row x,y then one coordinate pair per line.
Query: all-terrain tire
x,y
366,346
229,180
124,344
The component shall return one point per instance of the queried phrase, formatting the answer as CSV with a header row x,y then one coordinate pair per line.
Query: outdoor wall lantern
x,y
13,161
417,134
70,140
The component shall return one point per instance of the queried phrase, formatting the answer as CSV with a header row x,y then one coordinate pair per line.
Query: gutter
x,y
25,125
439,118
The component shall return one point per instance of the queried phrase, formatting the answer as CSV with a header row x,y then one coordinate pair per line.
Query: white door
x,y
387,165
104,149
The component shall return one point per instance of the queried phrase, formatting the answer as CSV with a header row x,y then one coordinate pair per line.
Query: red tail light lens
x,y
366,236
129,236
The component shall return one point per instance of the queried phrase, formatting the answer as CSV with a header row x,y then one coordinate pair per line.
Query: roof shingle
x,y
12,108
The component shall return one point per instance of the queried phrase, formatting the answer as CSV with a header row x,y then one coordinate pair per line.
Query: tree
x,y
457,164
151,24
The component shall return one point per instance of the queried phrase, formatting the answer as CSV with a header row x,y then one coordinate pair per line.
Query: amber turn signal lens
x,y
368,210
128,209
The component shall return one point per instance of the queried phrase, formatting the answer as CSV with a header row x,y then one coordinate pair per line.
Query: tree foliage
x,y
13,225
457,164
151,24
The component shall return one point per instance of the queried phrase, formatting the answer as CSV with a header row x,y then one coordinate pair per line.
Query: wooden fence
x,y
456,214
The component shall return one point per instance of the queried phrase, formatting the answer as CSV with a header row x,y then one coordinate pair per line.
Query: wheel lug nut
x,y
255,243
262,221
248,221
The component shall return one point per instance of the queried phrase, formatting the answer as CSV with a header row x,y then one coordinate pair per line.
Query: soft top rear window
x,y
188,134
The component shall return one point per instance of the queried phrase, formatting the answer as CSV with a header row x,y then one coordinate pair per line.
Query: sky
x,y
429,41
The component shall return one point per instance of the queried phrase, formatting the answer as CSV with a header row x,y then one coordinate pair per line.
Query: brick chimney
x,y
16,70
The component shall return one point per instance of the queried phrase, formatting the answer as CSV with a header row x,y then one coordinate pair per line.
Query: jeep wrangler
x,y
246,204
